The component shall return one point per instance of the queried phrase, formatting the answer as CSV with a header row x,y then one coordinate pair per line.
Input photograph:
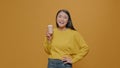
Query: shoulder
x,y
75,32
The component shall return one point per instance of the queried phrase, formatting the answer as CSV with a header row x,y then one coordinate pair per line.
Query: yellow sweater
x,y
66,43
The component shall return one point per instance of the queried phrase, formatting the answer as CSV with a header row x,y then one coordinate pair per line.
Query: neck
x,y
62,29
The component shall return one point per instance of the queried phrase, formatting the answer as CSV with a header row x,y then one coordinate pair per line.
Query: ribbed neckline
x,y
63,30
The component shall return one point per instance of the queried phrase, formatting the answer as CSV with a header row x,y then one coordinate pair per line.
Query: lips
x,y
61,22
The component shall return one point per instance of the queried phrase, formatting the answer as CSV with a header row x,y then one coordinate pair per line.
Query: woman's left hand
x,y
67,60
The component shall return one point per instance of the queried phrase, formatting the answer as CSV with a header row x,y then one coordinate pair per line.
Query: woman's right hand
x,y
49,36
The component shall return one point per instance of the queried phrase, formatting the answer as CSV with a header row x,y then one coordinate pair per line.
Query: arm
x,y
81,48
47,42
47,46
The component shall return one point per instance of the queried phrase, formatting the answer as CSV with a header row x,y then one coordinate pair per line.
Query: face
x,y
62,19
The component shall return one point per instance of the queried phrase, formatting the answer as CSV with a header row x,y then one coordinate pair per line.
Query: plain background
x,y
23,24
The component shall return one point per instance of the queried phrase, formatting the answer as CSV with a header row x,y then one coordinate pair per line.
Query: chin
x,y
61,26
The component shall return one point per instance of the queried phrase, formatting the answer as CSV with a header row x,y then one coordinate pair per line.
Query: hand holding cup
x,y
49,32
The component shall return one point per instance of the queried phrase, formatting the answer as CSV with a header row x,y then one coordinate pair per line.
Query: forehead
x,y
62,13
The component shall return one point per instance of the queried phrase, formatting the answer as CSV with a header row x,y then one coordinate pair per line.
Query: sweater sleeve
x,y
81,48
47,46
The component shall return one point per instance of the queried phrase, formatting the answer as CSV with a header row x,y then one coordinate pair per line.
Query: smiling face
x,y
62,19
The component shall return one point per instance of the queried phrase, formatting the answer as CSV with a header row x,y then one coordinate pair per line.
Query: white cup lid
x,y
50,25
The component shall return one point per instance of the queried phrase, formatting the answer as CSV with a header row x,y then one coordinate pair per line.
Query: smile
x,y
61,22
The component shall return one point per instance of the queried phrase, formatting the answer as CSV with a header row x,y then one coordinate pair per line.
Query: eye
x,y
59,16
65,17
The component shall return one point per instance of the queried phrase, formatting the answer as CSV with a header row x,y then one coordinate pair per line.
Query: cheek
x,y
58,19
66,21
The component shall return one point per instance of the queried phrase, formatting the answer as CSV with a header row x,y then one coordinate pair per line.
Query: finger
x,y
64,57
63,60
47,35
67,62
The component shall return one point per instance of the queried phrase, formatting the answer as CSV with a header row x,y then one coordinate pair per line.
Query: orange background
x,y
23,25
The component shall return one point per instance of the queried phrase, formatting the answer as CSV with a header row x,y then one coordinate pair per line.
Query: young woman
x,y
65,46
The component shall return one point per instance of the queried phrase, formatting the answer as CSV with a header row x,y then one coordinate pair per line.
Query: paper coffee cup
x,y
50,29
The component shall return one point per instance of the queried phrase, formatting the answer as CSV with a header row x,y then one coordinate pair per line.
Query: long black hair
x,y
69,23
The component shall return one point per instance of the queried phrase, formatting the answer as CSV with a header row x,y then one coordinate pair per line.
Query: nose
x,y
62,19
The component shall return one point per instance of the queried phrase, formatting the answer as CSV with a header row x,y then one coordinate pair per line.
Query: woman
x,y
65,46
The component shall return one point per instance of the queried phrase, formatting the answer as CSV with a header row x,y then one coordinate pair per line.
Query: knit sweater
x,y
68,43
